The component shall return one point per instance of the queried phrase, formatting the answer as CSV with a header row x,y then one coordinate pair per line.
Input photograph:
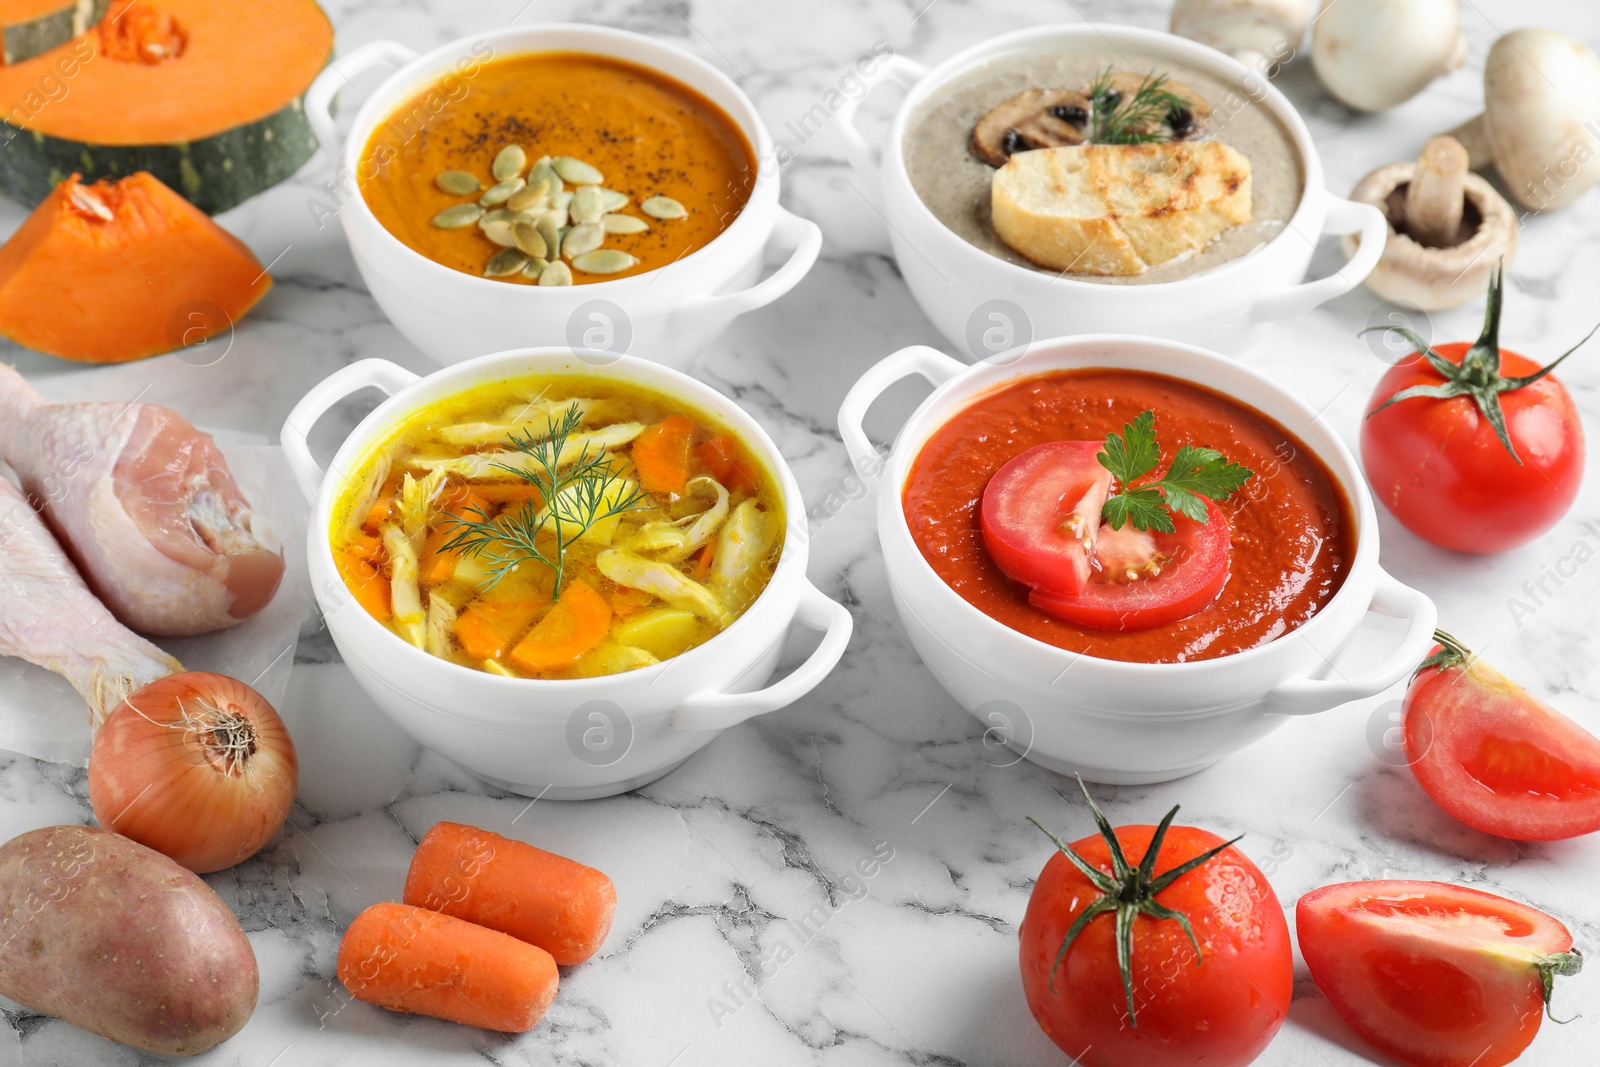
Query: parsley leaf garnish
x,y
1194,473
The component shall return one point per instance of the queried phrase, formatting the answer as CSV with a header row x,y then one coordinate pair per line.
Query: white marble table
x,y
717,863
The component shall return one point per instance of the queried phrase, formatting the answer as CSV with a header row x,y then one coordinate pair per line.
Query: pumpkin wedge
x,y
120,270
205,95
32,27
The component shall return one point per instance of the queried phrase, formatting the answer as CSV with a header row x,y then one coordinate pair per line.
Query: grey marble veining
x,y
745,932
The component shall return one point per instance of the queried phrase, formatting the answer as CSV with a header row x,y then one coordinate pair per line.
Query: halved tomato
x,y
1434,974
1494,755
1143,578
1041,512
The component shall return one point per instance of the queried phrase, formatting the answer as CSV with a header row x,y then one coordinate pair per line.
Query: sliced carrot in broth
x,y
489,627
575,625
661,455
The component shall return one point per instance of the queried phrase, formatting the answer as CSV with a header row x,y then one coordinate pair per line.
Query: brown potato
x,y
120,940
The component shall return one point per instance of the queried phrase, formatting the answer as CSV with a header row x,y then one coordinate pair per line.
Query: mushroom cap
x,y
1542,95
1436,278
1374,54
1031,119
1267,28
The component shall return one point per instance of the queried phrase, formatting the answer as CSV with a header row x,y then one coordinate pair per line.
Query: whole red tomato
x,y
1209,968
1473,447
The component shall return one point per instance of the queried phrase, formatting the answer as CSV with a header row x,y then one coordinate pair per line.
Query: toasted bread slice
x,y
1118,209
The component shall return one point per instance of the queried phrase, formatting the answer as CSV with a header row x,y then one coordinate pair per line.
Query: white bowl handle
x,y
1307,696
803,235
341,72
718,711
863,157
1344,216
931,363
379,373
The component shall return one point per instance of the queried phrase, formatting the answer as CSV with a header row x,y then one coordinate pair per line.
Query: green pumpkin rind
x,y
22,41
214,173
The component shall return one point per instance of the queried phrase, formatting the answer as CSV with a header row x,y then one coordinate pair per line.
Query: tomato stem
x,y
1477,376
1128,891
1451,653
1565,964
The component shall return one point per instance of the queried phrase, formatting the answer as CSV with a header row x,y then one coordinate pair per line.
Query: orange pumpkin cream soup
x,y
557,168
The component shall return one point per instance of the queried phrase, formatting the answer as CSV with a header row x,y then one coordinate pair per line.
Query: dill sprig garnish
x,y
571,502
1144,117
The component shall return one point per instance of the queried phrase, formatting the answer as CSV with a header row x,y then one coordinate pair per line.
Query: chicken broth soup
x,y
558,168
558,527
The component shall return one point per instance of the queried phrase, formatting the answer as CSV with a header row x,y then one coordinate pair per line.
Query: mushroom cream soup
x,y
955,185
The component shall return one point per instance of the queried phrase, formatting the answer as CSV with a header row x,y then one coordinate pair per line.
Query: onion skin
x,y
175,785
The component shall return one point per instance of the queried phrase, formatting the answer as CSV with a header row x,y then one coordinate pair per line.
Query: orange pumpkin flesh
x,y
156,275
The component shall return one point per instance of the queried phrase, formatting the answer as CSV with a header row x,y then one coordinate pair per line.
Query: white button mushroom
x,y
1261,34
1541,123
1448,228
1374,54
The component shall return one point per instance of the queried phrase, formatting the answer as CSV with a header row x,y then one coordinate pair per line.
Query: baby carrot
x,y
419,961
574,626
547,900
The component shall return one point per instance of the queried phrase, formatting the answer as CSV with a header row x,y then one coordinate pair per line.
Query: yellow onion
x,y
196,766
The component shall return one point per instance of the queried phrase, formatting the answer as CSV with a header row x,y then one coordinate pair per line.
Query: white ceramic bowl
x,y
984,304
668,313
560,739
1115,722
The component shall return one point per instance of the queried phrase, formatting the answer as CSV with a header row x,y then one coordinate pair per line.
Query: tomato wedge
x,y
1141,579
1494,755
1041,512
1434,974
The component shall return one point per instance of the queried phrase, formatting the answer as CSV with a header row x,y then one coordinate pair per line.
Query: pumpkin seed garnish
x,y
529,195
499,214
500,233
587,204
501,192
585,237
527,238
663,207
562,201
603,261
504,262
544,170
557,273
549,229
623,224
458,182
457,216
509,163
535,267
576,171
613,200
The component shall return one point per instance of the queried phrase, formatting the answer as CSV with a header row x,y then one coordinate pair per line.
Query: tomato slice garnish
x,y
1430,973
1140,579
1041,512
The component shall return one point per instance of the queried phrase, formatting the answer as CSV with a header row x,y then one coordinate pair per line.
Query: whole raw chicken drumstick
x,y
48,616
145,505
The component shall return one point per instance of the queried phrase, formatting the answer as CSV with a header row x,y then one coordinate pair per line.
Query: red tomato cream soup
x,y
1129,516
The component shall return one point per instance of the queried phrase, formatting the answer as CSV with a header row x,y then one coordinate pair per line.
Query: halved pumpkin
x,y
120,270
31,27
204,94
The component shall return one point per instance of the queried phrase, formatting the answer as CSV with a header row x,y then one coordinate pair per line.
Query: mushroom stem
x,y
1474,137
1434,196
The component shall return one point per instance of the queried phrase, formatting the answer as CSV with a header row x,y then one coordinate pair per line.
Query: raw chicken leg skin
x,y
145,506
49,617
